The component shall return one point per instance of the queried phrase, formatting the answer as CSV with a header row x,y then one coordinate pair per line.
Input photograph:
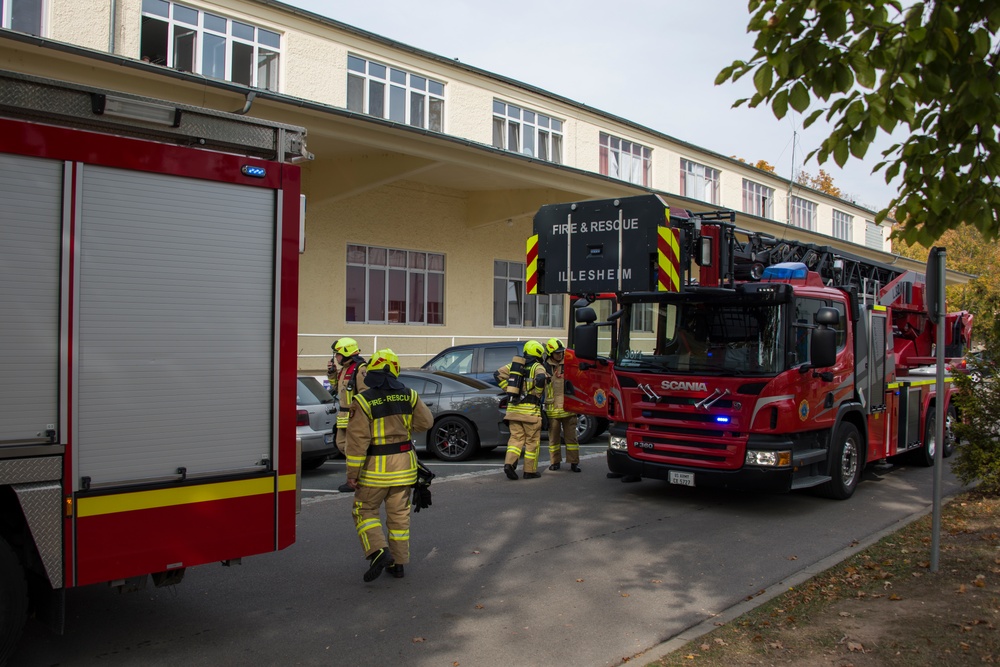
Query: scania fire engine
x,y
731,358
148,263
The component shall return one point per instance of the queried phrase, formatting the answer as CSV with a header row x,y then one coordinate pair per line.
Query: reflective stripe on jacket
x,y
551,411
381,417
532,392
350,381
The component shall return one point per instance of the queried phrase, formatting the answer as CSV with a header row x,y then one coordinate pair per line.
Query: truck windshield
x,y
703,337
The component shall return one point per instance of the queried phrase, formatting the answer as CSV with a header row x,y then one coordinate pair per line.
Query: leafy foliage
x,y
822,182
930,67
978,458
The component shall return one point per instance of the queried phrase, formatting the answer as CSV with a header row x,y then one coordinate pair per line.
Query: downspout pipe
x,y
112,24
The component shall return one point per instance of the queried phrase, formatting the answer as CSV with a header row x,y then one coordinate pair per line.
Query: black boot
x,y
554,466
574,467
378,561
345,488
531,475
508,470
396,571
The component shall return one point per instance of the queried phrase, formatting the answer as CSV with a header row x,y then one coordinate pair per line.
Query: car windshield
x,y
703,337
311,392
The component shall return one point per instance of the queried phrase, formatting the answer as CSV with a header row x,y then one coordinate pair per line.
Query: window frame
x,y
202,31
547,132
390,81
547,310
758,199
710,177
843,225
625,154
380,271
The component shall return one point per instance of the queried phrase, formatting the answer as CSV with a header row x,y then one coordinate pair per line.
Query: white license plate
x,y
328,438
682,478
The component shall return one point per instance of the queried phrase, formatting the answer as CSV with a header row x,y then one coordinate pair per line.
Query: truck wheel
x,y
586,428
453,439
13,601
846,464
925,455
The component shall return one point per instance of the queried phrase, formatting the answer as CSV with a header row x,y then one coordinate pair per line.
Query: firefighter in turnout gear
x,y
524,410
347,372
381,463
562,423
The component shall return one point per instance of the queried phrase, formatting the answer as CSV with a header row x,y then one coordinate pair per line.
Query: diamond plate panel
x,y
21,471
42,503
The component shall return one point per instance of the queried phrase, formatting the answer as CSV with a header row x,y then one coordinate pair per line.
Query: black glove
x,y
421,497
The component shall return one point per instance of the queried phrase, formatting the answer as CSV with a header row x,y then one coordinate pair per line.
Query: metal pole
x,y
939,413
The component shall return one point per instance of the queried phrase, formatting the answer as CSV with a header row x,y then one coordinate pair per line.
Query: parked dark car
x,y
467,413
316,416
480,360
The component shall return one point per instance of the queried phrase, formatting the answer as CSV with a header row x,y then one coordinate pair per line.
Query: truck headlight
x,y
618,443
770,459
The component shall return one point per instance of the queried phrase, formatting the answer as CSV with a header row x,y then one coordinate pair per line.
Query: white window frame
x,y
625,160
526,131
379,86
802,213
260,48
843,225
699,181
758,199
417,265
520,309
7,15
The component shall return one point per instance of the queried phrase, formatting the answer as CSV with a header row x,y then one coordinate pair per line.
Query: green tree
x,y
874,65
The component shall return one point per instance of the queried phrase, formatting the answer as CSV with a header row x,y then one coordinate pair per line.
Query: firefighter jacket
x,y
528,407
379,450
554,390
350,381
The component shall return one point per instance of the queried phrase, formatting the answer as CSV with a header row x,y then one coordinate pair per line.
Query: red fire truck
x,y
148,258
780,365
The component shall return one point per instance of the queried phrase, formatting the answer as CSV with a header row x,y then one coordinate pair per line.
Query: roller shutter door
x,y
176,298
30,227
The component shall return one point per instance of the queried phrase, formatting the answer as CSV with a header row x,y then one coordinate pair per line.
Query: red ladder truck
x,y
780,365
149,264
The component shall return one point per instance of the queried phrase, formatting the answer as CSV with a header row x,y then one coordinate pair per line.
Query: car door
x,y
492,358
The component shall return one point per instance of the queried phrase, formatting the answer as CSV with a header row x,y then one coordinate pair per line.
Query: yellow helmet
x,y
346,346
533,348
385,360
554,345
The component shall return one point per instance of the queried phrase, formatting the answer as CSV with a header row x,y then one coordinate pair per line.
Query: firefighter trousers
x,y
524,437
368,501
563,430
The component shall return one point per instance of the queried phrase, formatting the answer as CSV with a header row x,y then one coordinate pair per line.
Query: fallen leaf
x,y
720,641
776,645
475,552
656,581
624,595
418,640
895,597
793,558
579,581
855,646
961,589
845,614
704,647
689,656
479,606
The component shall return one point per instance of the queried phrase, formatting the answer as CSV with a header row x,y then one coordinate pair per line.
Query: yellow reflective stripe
x,y
531,455
878,309
342,421
401,535
186,495
355,460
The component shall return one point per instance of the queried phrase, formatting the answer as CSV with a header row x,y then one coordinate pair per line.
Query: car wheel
x,y
312,464
13,600
846,464
452,439
586,428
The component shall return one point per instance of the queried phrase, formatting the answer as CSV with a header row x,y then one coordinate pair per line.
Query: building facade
x,y
427,171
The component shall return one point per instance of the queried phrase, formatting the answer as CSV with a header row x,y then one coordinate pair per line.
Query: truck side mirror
x,y
585,341
823,345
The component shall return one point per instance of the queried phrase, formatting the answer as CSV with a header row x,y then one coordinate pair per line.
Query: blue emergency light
x,y
786,271
254,172
722,419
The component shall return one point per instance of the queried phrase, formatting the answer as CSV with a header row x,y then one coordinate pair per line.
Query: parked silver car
x,y
467,413
316,417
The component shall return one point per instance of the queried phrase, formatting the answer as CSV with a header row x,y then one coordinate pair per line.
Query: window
x,y
522,131
802,213
804,322
22,15
402,97
842,225
390,286
758,199
513,308
699,182
626,160
873,235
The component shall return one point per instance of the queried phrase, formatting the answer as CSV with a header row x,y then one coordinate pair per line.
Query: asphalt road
x,y
566,569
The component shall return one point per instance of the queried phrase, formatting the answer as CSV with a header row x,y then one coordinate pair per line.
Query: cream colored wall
x,y
406,216
82,22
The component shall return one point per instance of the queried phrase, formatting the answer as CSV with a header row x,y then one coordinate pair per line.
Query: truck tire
x,y
846,464
13,601
586,428
453,439
924,456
